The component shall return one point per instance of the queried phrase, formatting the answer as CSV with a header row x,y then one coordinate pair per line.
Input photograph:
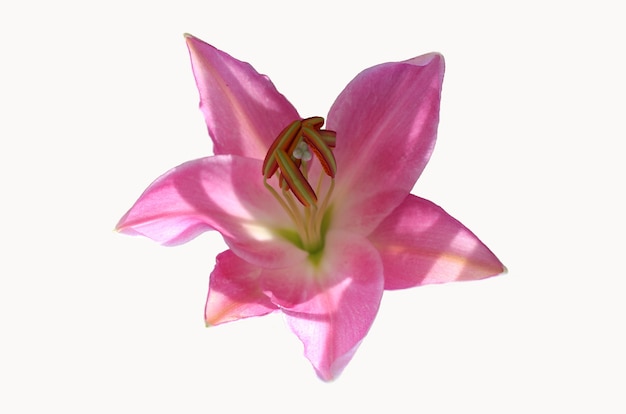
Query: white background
x,y
97,99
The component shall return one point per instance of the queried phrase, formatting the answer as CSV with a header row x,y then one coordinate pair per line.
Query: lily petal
x,y
243,110
386,122
234,291
222,193
331,305
421,244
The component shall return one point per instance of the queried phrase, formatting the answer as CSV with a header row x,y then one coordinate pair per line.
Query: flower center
x,y
290,157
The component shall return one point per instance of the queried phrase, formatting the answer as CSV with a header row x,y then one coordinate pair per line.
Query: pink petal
x,y
421,244
223,193
234,291
243,110
330,306
386,122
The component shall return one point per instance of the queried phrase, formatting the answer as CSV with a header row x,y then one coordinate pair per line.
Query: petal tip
x,y
432,58
119,227
122,226
189,36
191,40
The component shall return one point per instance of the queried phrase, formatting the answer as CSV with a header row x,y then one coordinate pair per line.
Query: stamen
x,y
284,141
298,185
290,155
314,122
329,137
321,150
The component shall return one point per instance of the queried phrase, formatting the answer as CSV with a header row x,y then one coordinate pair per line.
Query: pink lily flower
x,y
319,222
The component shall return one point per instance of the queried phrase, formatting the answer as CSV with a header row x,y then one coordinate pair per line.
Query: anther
x,y
283,142
296,182
291,151
321,150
